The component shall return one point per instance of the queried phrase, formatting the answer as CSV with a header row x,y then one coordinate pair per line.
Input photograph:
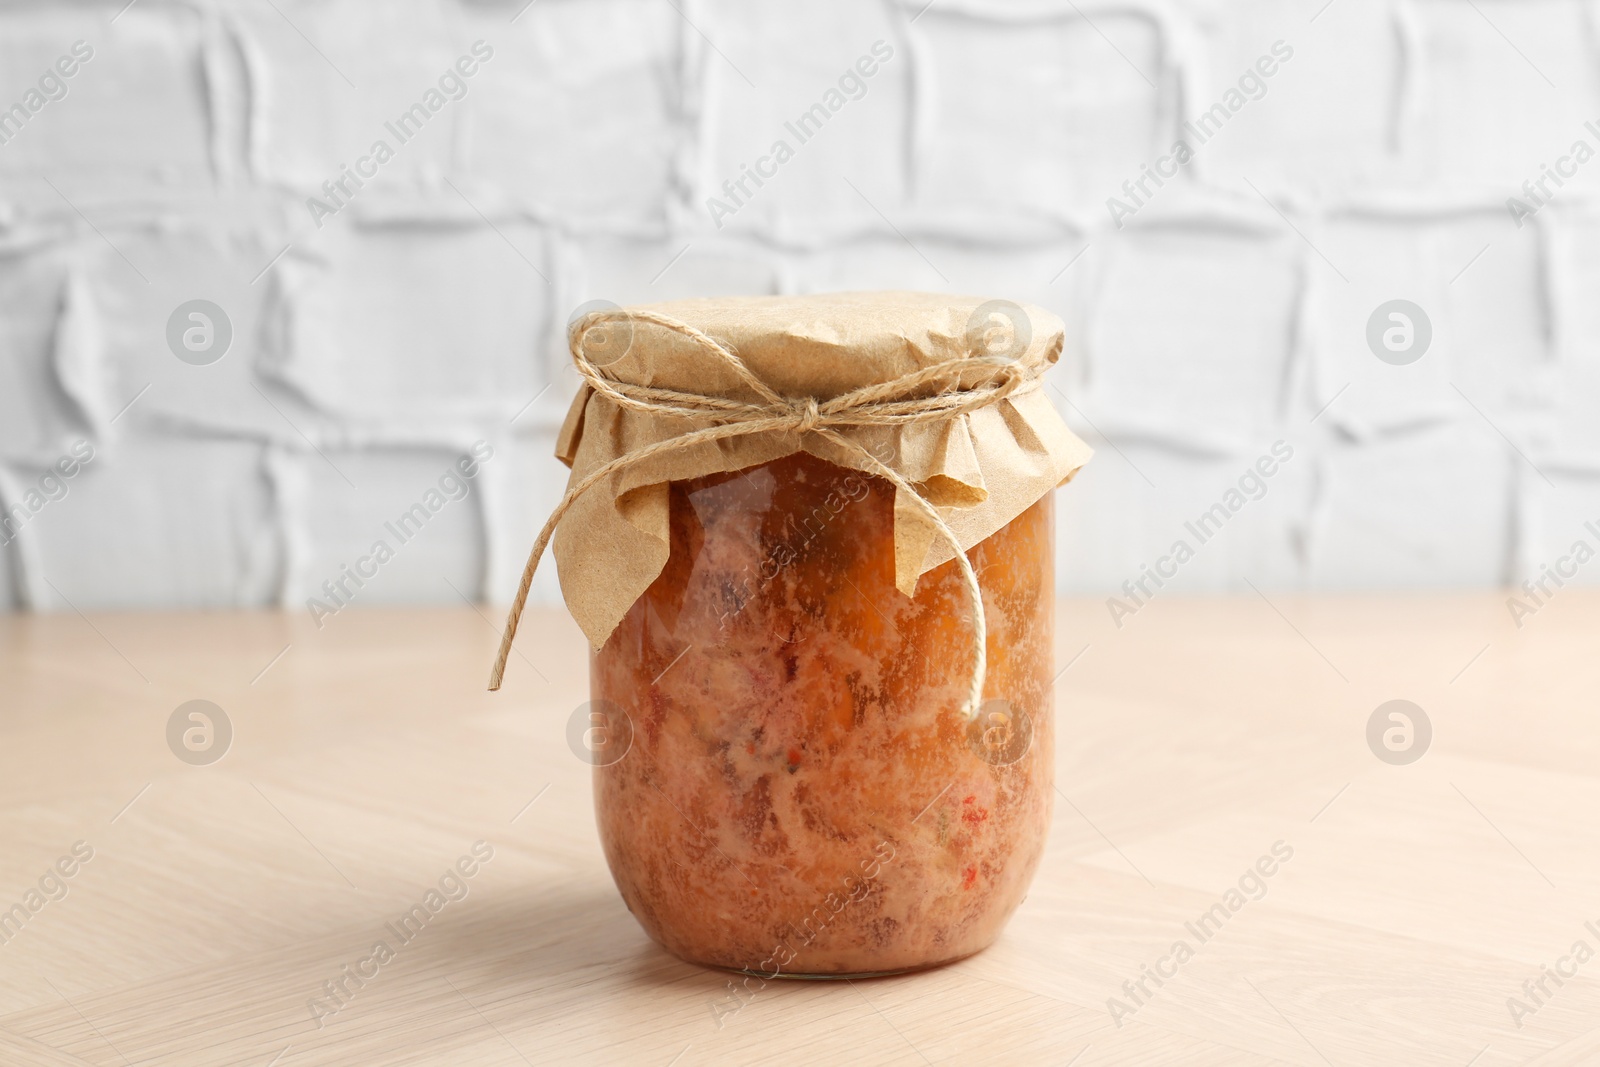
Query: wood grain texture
x,y
368,759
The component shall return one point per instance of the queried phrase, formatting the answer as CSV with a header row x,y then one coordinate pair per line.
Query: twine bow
x,y
938,392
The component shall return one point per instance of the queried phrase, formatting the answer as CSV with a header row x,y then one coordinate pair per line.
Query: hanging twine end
x,y
509,633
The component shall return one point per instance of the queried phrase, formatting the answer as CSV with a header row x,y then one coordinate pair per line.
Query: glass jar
x,y
802,794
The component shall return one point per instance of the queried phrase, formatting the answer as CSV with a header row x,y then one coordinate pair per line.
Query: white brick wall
x,y
428,314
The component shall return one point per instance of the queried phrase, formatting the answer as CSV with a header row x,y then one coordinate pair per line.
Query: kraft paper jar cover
x,y
980,469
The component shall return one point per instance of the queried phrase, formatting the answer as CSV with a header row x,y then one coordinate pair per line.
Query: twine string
x,y
935,393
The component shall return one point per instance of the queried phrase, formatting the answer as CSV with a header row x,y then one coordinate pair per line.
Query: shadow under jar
x,y
802,793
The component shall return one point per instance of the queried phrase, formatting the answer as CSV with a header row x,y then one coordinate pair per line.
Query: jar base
x,y
836,976
832,976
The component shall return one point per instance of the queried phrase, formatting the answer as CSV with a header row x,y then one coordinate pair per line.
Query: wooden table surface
x,y
366,760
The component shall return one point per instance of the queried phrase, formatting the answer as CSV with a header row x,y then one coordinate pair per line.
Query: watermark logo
x,y
52,87
454,485
1537,591
999,330
1252,85
1399,332
608,337
199,332
599,732
802,931
1251,486
1399,732
199,733
852,84
1251,886
1536,992
52,886
1001,734
52,485
340,190
454,885
1538,191
799,530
